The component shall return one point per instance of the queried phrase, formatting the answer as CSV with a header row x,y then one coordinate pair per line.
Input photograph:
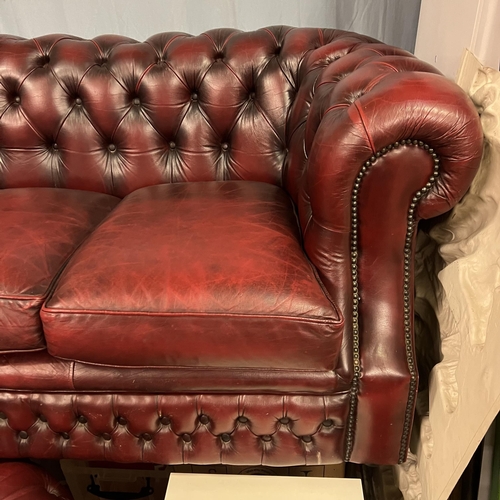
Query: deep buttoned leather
x,y
365,139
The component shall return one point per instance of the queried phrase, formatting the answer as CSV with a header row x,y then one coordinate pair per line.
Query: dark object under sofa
x,y
207,243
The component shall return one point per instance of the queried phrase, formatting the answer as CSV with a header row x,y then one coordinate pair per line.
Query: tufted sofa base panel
x,y
175,429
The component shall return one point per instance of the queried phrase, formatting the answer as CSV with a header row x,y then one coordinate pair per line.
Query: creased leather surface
x,y
174,429
195,274
40,229
39,371
21,481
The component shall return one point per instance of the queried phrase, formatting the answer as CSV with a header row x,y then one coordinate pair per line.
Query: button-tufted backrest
x,y
113,115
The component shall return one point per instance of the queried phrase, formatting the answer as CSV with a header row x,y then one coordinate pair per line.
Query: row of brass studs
x,y
411,225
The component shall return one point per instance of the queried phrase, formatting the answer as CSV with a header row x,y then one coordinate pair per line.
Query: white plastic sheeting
x,y
392,21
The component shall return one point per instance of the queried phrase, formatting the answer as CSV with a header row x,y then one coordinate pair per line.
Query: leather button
x,y
225,437
106,436
242,420
17,99
42,418
194,96
225,146
328,423
284,420
64,435
78,101
3,416
147,437
172,144
186,438
252,95
204,419
122,420
82,419
306,439
164,421
112,148
23,435
136,101
266,438
55,147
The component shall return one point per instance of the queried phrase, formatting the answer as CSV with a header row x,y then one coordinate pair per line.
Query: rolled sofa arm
x,y
388,142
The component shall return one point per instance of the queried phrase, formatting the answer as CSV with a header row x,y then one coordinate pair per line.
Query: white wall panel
x,y
393,21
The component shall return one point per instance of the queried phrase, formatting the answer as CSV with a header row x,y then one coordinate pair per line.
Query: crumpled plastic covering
x,y
460,305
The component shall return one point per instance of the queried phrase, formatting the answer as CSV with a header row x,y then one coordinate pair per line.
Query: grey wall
x,y
393,21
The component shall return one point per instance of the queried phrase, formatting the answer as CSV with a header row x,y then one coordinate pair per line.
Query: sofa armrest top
x,y
386,99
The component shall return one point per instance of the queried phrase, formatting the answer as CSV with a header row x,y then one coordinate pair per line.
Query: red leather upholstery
x,y
195,274
234,429
41,228
39,372
365,139
21,481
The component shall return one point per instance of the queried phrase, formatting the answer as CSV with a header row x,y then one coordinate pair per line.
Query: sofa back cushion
x,y
112,114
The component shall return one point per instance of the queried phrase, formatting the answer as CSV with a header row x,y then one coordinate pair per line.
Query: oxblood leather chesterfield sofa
x,y
206,245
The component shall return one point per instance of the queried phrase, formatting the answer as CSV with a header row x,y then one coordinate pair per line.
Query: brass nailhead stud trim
x,y
411,225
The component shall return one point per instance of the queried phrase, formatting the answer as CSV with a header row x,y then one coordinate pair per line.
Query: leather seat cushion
x,y
40,229
195,274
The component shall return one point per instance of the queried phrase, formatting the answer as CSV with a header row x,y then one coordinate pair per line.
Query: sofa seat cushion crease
x,y
40,229
207,243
